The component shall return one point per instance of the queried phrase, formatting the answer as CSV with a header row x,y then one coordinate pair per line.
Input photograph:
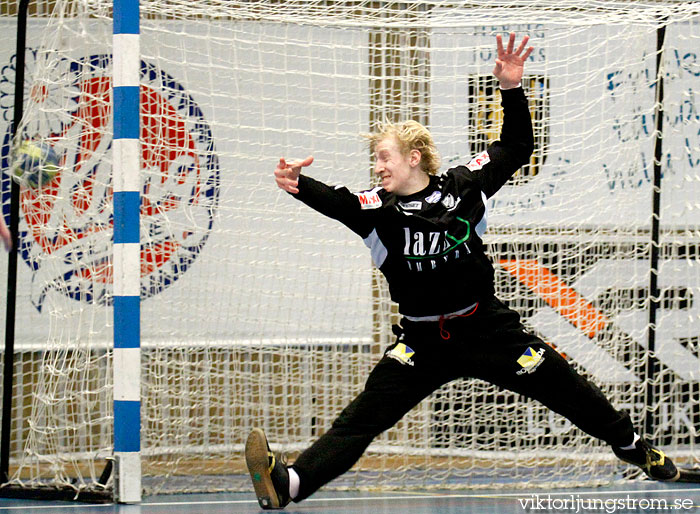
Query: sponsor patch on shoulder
x,y
369,199
479,161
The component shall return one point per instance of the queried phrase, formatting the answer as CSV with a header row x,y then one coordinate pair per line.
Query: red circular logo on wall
x,y
65,233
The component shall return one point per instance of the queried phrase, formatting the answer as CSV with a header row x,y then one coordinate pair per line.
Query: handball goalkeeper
x,y
424,232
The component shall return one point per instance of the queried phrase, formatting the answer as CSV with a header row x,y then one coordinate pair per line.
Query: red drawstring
x,y
441,323
443,333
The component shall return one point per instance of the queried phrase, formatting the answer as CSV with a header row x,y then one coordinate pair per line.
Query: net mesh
x,y
258,312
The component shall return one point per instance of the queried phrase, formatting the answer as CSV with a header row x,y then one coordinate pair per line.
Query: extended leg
x,y
535,370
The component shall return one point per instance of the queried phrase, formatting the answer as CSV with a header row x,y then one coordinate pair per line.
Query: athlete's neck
x,y
417,183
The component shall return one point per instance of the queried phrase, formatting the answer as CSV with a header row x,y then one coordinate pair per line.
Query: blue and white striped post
x,y
126,62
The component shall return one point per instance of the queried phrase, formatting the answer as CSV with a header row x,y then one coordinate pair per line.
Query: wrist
x,y
509,85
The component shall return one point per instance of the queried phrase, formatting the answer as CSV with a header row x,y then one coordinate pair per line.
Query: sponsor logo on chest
x,y
411,206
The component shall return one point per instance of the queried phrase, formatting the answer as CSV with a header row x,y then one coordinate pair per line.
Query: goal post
x,y
255,311
126,256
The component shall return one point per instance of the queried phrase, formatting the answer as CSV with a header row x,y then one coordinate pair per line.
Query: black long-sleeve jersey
x,y
429,245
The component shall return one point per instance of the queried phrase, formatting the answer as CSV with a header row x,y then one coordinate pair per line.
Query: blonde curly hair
x,y
410,135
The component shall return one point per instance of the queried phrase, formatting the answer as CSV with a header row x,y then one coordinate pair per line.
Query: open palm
x,y
509,63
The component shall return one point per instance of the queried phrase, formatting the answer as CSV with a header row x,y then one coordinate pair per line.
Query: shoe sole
x,y
256,458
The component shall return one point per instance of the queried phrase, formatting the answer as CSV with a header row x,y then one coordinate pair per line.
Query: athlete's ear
x,y
414,157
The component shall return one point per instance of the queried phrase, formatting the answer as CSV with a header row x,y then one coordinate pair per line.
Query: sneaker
x,y
269,474
652,461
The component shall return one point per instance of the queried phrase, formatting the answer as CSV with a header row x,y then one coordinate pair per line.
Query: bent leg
x,y
392,389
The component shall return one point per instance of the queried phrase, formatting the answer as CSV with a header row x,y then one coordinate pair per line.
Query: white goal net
x,y
258,312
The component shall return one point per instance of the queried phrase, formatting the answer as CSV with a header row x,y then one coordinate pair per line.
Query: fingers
x,y
287,174
522,46
296,165
511,42
285,177
286,183
306,162
522,43
510,49
498,68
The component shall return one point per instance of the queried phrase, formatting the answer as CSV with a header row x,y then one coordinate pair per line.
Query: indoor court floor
x,y
632,496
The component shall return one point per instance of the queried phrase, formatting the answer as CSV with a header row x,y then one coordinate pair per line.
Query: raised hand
x,y
287,175
509,63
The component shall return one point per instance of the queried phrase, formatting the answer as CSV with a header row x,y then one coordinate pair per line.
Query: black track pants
x,y
487,345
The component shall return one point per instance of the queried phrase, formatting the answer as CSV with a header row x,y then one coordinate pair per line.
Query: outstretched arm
x,y
335,202
510,63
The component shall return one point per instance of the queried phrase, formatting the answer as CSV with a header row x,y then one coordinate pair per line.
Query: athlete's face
x,y
400,173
